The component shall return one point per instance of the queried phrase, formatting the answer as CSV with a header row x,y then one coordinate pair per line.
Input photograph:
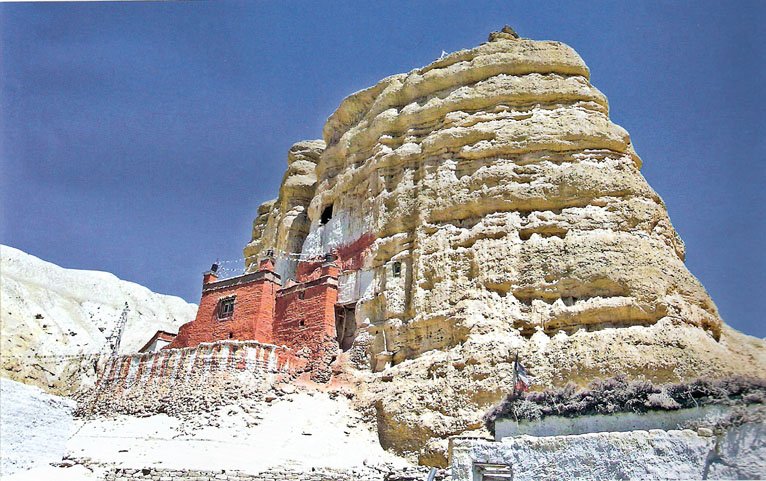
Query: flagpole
x,y
515,373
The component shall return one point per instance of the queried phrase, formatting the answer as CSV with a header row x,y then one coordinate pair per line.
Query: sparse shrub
x,y
498,411
661,400
617,394
755,397
553,401
525,409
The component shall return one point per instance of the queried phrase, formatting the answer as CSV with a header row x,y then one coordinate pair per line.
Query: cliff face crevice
x,y
507,214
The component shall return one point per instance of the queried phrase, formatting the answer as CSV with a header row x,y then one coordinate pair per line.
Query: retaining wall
x,y
600,423
286,474
177,365
737,453
190,380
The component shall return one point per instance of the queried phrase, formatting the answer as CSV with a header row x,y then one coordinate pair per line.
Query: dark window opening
x,y
226,308
231,335
396,269
326,215
302,295
389,180
301,323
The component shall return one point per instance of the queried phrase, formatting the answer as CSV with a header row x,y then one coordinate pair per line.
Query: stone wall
x,y
226,475
736,453
176,381
174,365
360,474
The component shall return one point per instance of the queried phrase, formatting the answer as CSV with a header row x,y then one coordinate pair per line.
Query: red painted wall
x,y
305,322
301,317
351,256
252,317
347,257
308,271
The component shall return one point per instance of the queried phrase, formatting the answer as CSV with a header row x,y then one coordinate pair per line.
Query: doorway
x,y
345,326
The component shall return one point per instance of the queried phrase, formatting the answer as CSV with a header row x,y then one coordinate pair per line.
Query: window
x,y
326,215
226,308
302,295
492,472
388,181
396,269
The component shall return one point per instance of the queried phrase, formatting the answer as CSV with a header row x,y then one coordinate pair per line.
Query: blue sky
x,y
139,138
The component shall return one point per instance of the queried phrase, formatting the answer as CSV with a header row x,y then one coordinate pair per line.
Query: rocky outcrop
x,y
51,316
282,224
499,210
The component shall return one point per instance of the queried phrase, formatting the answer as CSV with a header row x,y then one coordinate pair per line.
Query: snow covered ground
x,y
34,427
301,431
51,311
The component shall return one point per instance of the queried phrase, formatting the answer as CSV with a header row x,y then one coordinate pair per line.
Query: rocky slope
x,y
49,312
499,210
303,430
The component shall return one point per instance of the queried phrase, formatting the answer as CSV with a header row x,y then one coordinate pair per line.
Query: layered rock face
x,y
51,316
498,210
282,224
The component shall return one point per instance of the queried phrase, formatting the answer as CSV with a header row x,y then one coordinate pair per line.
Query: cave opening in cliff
x,y
345,326
326,215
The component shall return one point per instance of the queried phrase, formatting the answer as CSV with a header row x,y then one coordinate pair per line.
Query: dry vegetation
x,y
618,394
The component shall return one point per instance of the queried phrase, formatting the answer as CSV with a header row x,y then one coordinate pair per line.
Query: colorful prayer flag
x,y
522,379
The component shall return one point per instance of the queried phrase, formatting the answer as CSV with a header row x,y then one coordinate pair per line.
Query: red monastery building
x,y
301,315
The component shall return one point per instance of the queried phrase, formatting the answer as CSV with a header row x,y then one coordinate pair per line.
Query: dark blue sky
x,y
139,138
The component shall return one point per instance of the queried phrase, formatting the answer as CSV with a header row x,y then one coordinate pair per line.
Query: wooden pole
x,y
431,474
515,373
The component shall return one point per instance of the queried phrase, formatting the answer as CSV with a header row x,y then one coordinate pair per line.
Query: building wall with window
x,y
240,308
255,306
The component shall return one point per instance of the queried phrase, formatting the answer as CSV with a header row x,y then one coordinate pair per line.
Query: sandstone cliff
x,y
502,211
282,224
49,312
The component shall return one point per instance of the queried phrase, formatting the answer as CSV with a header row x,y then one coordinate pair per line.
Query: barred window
x,y
396,269
226,307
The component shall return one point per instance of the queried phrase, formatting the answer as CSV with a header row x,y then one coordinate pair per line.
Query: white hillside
x,y
46,310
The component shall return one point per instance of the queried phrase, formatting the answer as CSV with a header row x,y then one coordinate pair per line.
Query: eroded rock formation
x,y
486,205
282,223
